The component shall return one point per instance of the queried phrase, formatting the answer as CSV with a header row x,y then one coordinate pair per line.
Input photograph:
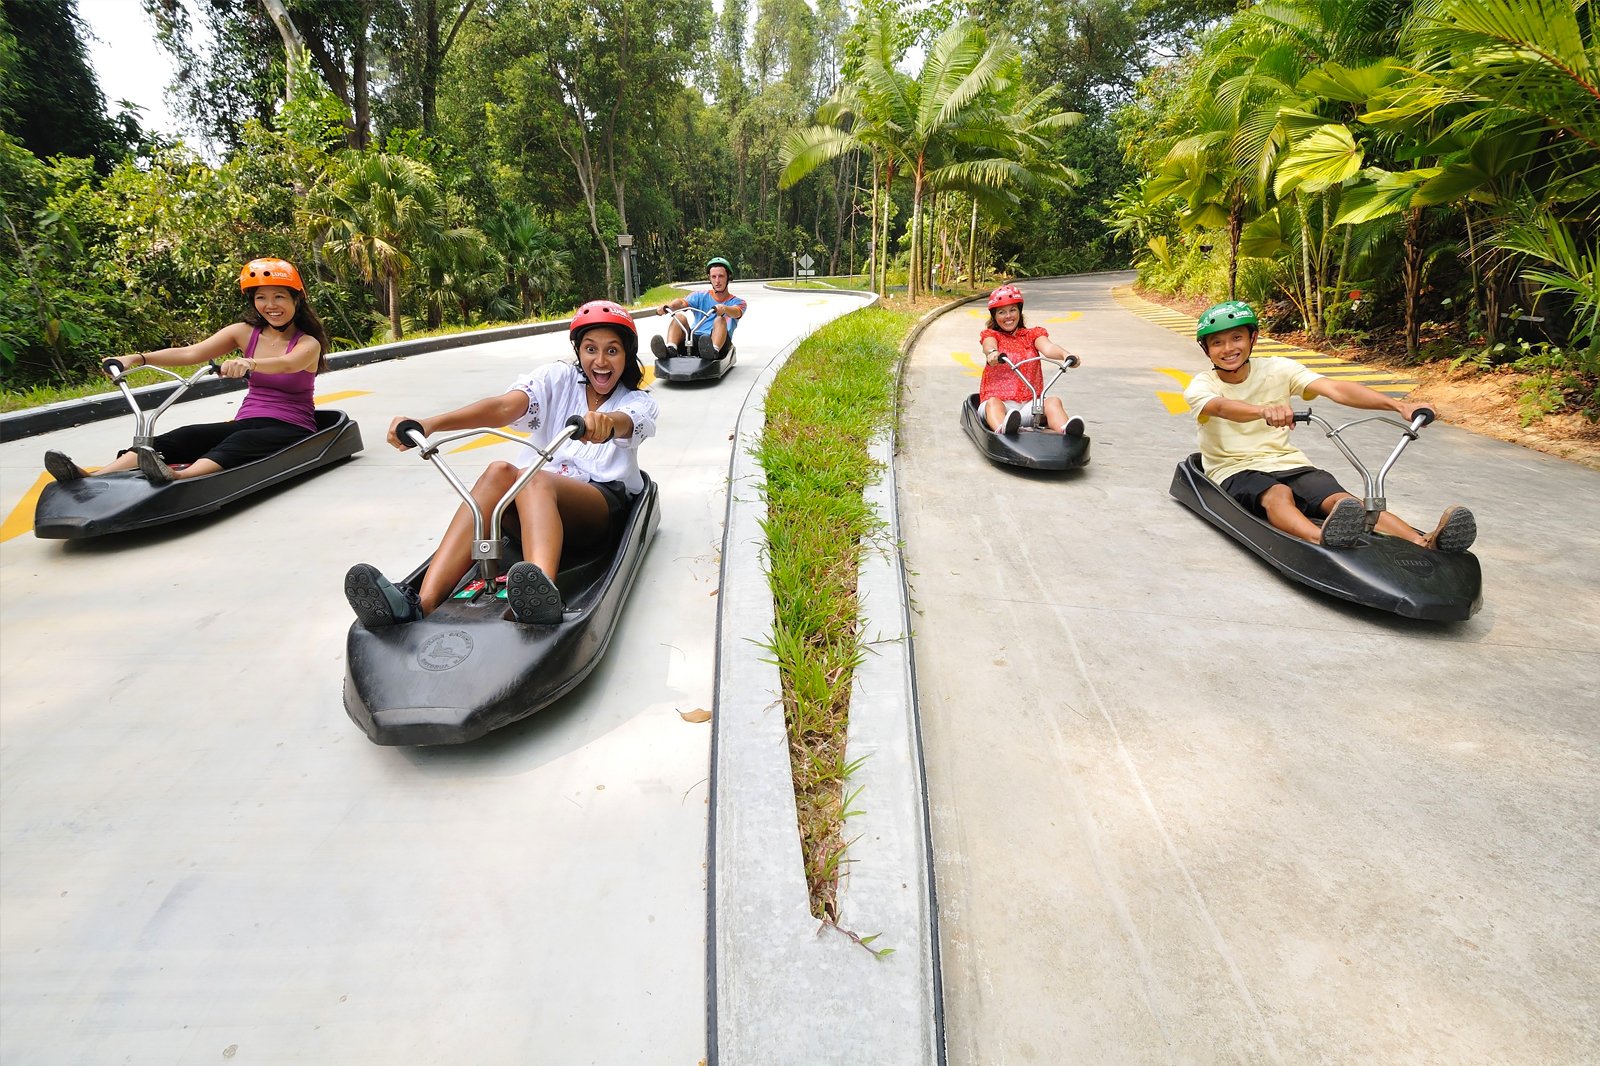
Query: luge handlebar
x,y
410,433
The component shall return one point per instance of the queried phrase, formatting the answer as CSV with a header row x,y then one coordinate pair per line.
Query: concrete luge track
x,y
1186,811
204,858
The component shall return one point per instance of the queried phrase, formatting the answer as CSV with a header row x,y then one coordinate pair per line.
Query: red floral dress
x,y
1000,381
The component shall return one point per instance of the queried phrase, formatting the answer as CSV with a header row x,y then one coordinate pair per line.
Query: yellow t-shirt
x,y
1227,447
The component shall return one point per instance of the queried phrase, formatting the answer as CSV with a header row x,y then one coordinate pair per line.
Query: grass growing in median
x,y
823,409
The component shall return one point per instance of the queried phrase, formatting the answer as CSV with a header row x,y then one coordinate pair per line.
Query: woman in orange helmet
x,y
283,344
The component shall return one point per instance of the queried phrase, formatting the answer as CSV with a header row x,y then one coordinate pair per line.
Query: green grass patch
x,y
831,398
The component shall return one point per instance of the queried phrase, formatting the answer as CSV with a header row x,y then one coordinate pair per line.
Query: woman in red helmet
x,y
1005,400
578,496
283,342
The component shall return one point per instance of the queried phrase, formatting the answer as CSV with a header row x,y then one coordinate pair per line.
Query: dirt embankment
x,y
1484,402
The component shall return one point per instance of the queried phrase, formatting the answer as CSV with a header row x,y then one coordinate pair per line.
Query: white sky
x,y
128,62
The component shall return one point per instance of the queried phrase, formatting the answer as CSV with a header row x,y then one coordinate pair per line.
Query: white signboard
x,y
806,262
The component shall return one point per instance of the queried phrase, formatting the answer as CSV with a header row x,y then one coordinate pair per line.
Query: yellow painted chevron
x,y
1384,381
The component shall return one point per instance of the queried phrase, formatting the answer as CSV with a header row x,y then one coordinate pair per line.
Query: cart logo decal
x,y
445,651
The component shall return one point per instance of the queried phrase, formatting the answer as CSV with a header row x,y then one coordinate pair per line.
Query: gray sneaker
x,y
1345,524
1013,424
1456,531
532,596
376,600
61,468
153,468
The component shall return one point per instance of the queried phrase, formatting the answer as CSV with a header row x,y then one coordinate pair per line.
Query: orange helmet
x,y
1005,294
259,272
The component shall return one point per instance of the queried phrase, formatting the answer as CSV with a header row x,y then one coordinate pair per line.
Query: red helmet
x,y
605,313
259,272
1005,294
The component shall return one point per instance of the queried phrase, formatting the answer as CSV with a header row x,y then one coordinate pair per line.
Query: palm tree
x,y
940,128
535,262
374,211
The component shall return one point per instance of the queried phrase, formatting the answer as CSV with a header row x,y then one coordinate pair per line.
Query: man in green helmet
x,y
1241,408
722,313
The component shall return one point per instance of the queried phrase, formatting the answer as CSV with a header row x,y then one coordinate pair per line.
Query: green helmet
x,y
1225,316
720,262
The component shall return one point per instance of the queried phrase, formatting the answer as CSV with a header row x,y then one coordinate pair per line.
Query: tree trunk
x,y
972,246
914,265
393,287
1305,268
1411,274
293,44
1235,229
362,133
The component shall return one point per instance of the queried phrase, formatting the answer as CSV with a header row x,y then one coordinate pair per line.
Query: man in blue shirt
x,y
722,311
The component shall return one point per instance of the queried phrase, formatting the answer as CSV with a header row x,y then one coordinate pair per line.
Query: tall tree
x,y
50,99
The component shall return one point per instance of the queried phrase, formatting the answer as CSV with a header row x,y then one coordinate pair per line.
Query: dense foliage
x,y
1366,167
1362,168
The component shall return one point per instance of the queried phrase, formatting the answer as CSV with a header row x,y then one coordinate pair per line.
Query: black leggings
x,y
228,444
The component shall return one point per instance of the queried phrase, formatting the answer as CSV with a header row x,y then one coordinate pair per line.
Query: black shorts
x,y
1309,485
616,499
228,444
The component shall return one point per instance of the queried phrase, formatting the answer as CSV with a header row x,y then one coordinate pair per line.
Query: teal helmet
x,y
1225,316
718,261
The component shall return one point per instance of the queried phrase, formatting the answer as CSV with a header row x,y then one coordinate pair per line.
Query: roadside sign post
x,y
625,242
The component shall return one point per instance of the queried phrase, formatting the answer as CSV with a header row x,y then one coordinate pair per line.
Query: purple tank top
x,y
286,397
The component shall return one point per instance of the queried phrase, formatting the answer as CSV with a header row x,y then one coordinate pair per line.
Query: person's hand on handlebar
x,y
236,368
598,428
1408,411
393,437
991,356
1280,415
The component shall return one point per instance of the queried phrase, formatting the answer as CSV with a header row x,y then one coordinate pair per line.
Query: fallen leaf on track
x,y
699,714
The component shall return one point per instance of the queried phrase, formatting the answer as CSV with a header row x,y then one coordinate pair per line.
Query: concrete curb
x,y
783,987
51,417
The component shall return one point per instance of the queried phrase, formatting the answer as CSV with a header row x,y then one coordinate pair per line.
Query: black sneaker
x,y
376,600
1345,524
1456,531
61,468
1075,427
153,468
532,596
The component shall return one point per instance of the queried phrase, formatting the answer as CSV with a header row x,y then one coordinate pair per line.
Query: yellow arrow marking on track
x,y
1173,401
20,520
966,360
1070,316
489,442
335,397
